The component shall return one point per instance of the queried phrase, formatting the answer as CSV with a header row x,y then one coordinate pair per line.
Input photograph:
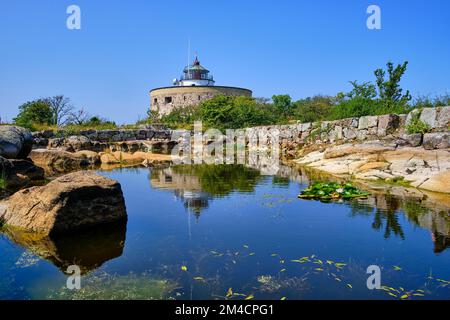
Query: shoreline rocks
x,y
71,202
15,142
18,173
139,157
63,160
378,161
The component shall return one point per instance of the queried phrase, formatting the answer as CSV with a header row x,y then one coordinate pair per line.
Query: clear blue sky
x,y
300,48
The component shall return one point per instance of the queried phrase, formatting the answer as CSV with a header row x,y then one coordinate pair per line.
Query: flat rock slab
x,y
74,201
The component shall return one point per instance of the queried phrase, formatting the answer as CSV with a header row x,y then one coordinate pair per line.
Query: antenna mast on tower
x,y
189,54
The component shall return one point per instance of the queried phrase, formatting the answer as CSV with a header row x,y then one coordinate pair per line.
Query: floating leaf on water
x,y
391,294
282,261
419,290
318,261
337,279
330,262
397,268
349,285
184,268
401,289
229,292
250,297
283,298
216,253
405,296
340,264
392,289
304,258
251,254
274,254
418,294
318,269
199,279
282,270
245,246
442,280
239,294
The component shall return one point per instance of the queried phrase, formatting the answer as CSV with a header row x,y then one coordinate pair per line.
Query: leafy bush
x,y
313,109
417,126
180,118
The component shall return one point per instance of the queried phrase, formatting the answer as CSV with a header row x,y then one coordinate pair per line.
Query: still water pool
x,y
229,232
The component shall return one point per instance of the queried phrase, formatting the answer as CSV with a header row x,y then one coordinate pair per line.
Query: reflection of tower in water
x,y
194,201
186,188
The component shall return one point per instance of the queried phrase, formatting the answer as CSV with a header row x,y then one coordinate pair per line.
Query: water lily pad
x,y
332,191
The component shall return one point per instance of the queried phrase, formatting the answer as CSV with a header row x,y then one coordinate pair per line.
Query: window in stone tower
x,y
168,99
155,101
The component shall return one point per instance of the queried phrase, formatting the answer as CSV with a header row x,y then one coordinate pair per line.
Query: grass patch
x,y
3,183
397,181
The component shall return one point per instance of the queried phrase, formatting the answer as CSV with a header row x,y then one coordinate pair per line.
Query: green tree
x,y
389,90
360,101
312,109
223,112
366,90
34,113
283,104
218,112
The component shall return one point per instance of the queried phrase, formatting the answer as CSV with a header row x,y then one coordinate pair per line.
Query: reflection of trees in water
x,y
390,222
196,185
385,213
221,180
280,181
440,241
386,208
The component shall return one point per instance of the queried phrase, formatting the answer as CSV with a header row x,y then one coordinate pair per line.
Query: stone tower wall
x,y
164,100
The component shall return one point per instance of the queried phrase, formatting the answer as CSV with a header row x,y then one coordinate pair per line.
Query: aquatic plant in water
x,y
104,286
332,191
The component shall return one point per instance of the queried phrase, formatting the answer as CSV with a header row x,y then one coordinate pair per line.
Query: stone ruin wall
x,y
389,127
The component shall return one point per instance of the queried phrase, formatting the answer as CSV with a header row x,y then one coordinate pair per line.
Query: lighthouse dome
x,y
196,75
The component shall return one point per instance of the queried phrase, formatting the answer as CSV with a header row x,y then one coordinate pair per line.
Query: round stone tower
x,y
194,86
